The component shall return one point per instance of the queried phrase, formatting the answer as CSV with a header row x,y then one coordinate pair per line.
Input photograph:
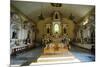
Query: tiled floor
x,y
27,57
31,56
82,54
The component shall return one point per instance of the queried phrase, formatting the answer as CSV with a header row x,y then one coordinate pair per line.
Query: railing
x,y
20,49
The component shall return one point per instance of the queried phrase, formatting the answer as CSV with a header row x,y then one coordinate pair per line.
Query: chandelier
x,y
56,4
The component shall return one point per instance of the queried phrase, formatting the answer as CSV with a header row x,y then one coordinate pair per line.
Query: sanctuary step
x,y
56,58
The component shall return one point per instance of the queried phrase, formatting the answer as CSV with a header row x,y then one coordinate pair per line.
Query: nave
x,y
33,57
48,33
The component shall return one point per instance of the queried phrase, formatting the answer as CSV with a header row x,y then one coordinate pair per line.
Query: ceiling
x,y
34,9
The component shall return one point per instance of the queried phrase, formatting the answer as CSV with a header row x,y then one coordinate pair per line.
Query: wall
x,y
21,25
85,39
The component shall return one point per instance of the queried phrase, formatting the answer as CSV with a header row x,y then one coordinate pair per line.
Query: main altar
x,y
56,43
56,39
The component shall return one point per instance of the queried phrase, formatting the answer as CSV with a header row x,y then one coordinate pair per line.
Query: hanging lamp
x,y
41,17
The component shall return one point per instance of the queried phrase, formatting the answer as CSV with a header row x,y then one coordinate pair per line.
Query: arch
x,y
56,16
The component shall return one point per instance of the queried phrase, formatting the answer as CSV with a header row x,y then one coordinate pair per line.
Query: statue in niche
x,y
64,30
28,37
16,43
15,17
56,28
81,32
14,35
48,30
25,41
28,40
56,17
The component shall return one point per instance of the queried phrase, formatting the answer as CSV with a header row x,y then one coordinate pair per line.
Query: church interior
x,y
47,33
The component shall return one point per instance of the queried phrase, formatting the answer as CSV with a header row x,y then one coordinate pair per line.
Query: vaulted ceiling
x,y
34,9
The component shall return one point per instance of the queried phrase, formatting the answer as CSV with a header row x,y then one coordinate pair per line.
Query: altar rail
x,y
20,49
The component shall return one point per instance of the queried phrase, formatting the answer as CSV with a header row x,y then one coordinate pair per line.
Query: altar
x,y
55,48
56,39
